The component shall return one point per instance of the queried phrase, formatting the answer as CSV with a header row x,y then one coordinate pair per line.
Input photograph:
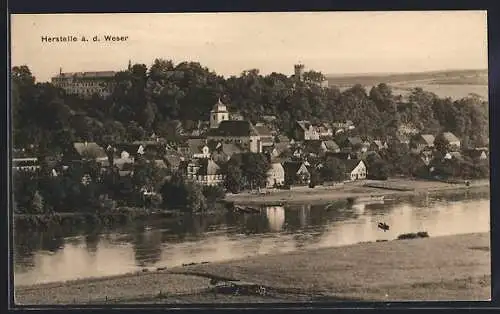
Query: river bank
x,y
321,194
441,268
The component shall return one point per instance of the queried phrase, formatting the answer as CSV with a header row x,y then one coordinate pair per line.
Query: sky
x,y
229,43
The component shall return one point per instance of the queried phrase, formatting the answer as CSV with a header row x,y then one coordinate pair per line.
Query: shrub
x,y
213,193
417,235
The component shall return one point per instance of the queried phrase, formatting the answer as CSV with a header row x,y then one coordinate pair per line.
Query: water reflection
x,y
276,217
62,254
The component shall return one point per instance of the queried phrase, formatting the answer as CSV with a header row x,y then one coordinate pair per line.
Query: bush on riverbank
x,y
417,235
178,193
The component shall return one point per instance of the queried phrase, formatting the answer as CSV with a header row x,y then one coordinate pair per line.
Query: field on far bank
x,y
442,268
321,194
455,84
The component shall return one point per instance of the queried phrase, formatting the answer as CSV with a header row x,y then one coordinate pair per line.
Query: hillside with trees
x,y
168,97
154,99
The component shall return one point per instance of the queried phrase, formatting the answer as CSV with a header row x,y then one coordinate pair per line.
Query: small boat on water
x,y
383,226
246,209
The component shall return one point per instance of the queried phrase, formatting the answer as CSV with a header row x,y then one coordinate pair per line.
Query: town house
x,y
86,151
304,130
421,141
452,143
204,172
296,173
239,132
266,134
275,175
355,169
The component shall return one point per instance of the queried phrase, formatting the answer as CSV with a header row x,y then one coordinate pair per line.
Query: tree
x,y
233,181
333,170
180,194
213,193
254,167
37,203
378,170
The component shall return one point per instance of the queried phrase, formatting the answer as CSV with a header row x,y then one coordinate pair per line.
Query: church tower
x,y
218,114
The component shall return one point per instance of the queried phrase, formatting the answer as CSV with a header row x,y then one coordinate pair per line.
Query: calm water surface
x,y
70,254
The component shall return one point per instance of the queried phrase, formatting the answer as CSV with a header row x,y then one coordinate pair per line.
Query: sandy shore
x,y
442,268
355,189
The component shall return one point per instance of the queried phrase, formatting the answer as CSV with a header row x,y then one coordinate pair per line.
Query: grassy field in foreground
x,y
442,268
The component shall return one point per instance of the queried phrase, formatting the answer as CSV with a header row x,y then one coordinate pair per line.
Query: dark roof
x,y
230,149
354,140
292,167
173,160
313,146
234,128
342,155
195,145
282,139
80,75
264,130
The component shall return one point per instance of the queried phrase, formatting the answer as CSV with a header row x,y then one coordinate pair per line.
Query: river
x,y
62,254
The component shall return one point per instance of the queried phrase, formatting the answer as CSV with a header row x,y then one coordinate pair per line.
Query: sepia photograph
x,y
264,157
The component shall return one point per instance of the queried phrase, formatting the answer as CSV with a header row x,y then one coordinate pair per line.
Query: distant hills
x,y
451,77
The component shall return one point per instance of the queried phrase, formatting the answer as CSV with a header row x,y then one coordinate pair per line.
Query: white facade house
x,y
356,169
275,175
86,84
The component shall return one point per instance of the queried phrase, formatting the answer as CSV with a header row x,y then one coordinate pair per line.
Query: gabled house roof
x,y
352,141
281,147
380,144
263,130
231,149
342,155
313,146
160,164
195,145
475,153
173,160
207,167
231,128
304,124
350,164
90,149
292,167
427,138
282,139
449,137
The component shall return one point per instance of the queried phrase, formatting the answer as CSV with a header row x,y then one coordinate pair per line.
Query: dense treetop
x,y
153,100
